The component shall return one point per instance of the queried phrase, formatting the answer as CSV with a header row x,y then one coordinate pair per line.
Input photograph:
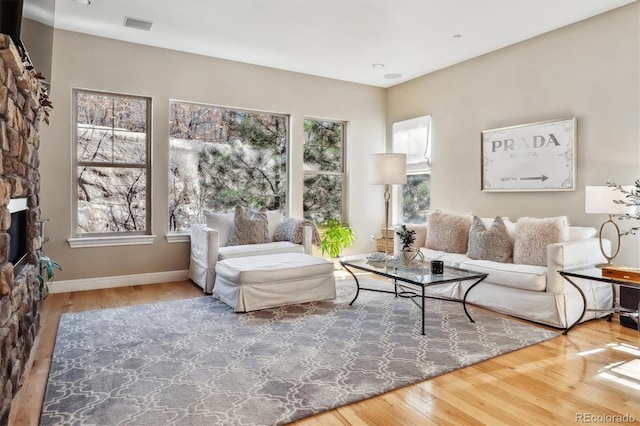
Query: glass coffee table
x,y
412,279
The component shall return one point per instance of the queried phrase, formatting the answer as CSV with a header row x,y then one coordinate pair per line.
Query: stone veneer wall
x,y
19,178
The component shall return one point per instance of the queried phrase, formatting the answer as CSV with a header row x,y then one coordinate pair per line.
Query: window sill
x,y
178,237
126,240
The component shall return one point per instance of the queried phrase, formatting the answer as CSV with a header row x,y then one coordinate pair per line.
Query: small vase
x,y
409,255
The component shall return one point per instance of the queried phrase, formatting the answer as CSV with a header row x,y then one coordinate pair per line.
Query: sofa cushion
x,y
259,249
249,230
526,277
223,222
448,232
451,259
274,218
273,269
489,244
581,232
533,235
421,233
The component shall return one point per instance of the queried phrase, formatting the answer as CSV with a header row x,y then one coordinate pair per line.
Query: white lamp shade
x,y
600,200
388,169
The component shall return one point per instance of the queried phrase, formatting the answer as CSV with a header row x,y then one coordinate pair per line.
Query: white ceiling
x,y
339,39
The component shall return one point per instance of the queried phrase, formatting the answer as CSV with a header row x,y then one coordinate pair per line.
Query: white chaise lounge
x,y
210,244
259,282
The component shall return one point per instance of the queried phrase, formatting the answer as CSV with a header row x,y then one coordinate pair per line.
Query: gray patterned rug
x,y
195,362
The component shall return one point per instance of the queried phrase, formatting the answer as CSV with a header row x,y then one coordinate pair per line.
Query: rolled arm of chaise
x,y
572,254
204,256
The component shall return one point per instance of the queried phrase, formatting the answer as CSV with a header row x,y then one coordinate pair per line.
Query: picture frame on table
x,y
536,156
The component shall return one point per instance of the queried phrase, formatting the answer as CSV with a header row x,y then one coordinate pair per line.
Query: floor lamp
x,y
387,169
601,200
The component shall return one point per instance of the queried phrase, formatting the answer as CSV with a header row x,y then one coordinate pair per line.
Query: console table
x,y
595,274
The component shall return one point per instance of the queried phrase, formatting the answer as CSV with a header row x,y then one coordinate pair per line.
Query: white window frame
x,y
111,238
184,236
412,137
342,173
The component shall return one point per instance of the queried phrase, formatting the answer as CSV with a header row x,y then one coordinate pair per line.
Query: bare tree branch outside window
x,y
112,166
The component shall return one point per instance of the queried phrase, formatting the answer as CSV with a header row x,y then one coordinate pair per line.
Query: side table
x,y
595,274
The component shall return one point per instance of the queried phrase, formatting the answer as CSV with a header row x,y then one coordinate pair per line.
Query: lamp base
x,y
604,265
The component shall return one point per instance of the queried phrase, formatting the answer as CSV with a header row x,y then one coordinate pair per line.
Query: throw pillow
x,y
223,222
274,217
292,230
581,232
448,232
533,235
489,244
249,230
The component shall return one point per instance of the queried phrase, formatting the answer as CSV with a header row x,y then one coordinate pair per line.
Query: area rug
x,y
195,362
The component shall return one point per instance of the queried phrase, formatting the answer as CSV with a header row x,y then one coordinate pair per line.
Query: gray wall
x,y
82,61
589,70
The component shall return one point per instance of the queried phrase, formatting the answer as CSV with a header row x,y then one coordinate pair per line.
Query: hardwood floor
x,y
593,371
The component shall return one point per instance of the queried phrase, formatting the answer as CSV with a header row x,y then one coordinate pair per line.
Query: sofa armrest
x,y
204,255
572,254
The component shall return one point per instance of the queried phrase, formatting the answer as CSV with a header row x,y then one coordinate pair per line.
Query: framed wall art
x,y
530,157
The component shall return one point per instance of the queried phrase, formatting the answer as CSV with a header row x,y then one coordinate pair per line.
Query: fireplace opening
x,y
18,246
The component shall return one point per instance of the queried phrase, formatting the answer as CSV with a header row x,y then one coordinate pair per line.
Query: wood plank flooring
x,y
593,371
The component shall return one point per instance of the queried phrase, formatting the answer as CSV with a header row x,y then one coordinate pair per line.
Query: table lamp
x,y
387,169
601,200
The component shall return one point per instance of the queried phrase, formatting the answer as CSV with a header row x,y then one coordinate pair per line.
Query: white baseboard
x,y
117,281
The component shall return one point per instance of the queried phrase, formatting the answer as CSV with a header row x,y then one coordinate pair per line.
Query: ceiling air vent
x,y
138,24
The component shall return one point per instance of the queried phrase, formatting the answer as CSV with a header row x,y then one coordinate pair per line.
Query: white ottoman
x,y
259,282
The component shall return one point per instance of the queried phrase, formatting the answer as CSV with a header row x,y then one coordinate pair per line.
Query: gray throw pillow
x,y
249,230
292,230
489,244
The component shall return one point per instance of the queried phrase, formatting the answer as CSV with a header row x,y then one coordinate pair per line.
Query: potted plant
x,y
50,266
407,238
335,236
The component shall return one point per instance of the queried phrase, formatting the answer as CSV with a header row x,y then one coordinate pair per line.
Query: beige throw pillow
x,y
489,244
249,230
533,235
448,232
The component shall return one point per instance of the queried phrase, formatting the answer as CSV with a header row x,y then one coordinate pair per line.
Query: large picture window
x,y
413,137
112,165
323,169
220,157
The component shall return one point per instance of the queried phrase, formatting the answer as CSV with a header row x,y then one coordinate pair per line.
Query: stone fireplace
x,y
20,113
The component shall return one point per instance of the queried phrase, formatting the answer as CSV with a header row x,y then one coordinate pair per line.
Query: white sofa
x,y
534,293
209,244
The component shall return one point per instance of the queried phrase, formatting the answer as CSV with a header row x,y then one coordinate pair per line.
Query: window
x,y
323,156
413,137
220,157
112,165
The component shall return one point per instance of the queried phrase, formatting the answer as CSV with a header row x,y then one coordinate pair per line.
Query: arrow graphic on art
x,y
540,178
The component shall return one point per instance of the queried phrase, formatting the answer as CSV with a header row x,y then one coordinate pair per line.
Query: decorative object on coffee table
x,y
437,267
387,169
407,238
603,200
